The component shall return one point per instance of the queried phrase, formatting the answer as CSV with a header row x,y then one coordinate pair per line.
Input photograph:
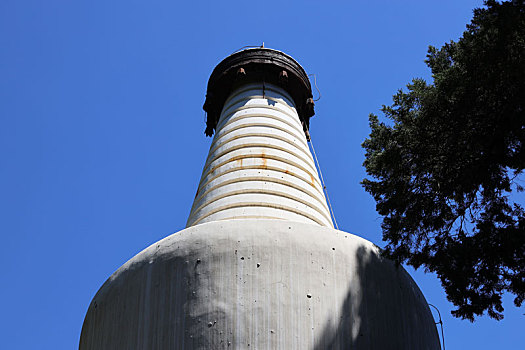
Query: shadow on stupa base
x,y
272,284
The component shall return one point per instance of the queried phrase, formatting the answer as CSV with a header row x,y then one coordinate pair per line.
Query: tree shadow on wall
x,y
383,309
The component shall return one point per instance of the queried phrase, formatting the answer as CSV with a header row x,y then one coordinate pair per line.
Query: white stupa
x,y
259,265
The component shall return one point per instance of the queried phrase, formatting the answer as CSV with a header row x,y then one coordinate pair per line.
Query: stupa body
x,y
259,265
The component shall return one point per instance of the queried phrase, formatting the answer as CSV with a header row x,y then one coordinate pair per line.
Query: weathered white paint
x,y
259,284
259,164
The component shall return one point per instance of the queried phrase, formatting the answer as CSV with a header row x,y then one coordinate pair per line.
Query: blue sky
x,y
102,139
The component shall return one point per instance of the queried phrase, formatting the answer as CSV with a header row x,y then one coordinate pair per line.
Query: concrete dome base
x,y
261,284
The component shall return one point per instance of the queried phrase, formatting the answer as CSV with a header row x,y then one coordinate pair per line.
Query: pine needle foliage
x,y
444,167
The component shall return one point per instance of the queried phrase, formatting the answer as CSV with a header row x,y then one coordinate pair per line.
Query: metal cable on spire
x,y
322,181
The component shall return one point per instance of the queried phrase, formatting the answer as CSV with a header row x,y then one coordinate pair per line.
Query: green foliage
x,y
445,170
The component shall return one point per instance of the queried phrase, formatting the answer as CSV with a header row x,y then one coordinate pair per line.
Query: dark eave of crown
x,y
258,65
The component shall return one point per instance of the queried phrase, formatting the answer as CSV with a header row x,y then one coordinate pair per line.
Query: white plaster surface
x,y
259,284
259,164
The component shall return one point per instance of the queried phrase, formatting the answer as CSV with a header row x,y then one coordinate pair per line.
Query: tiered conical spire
x,y
259,164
